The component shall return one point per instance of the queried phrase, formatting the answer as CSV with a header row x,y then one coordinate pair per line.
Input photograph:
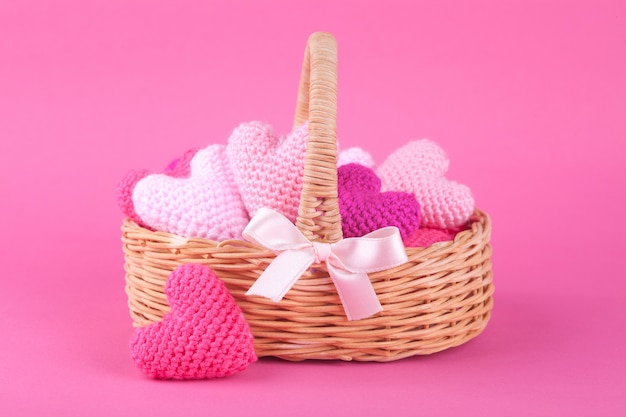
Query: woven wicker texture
x,y
440,298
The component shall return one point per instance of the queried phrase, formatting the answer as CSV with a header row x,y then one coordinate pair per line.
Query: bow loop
x,y
348,261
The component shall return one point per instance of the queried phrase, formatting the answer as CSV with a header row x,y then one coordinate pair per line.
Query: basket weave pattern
x,y
440,298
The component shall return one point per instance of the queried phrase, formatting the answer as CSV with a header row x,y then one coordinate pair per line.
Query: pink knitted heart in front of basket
x,y
205,335
206,204
364,208
419,168
268,168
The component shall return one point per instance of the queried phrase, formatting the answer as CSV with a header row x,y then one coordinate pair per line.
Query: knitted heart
x,y
179,168
268,169
427,236
364,208
355,156
206,204
419,168
125,194
205,335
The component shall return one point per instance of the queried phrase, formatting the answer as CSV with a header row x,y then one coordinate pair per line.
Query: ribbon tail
x,y
356,293
281,274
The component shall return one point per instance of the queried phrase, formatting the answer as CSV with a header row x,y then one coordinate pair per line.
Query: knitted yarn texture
x,y
268,168
205,335
355,156
424,237
181,167
364,208
207,204
419,168
125,194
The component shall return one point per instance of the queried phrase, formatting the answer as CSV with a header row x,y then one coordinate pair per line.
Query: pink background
x,y
527,97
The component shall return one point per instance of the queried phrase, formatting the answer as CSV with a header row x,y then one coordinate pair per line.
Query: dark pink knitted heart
x,y
426,236
181,167
365,209
204,336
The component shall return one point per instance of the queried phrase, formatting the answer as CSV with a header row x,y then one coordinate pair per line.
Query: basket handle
x,y
318,215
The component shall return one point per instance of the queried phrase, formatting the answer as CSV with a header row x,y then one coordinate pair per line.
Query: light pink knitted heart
x,y
205,335
207,204
268,168
419,168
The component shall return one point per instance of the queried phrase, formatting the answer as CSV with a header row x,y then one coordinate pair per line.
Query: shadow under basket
x,y
440,298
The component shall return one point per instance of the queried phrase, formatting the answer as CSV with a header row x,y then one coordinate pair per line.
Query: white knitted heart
x,y
207,204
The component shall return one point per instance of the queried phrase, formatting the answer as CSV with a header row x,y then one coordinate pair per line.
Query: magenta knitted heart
x,y
419,168
364,208
268,168
206,204
205,335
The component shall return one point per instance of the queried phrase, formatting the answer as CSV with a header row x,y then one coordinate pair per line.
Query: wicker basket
x,y
440,298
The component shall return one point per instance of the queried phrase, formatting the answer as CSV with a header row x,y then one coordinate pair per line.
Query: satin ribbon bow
x,y
348,261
